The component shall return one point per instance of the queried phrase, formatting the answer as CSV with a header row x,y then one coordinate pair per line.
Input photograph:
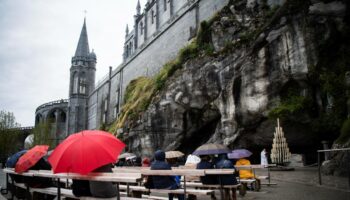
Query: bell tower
x,y
81,84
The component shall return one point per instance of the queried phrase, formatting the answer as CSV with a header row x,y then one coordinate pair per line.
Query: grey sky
x,y
38,39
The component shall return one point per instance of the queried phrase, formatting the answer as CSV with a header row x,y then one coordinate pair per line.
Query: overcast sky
x,y
38,39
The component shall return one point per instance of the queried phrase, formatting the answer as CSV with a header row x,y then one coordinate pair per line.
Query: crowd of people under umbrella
x,y
98,151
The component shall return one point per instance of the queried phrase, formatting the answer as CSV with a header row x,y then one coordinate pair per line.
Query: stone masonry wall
x,y
148,60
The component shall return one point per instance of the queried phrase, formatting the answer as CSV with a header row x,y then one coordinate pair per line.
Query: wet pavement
x,y
300,184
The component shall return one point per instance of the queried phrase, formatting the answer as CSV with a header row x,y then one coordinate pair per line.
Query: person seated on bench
x,y
206,164
40,182
247,173
11,163
225,163
207,179
163,182
103,189
146,162
174,163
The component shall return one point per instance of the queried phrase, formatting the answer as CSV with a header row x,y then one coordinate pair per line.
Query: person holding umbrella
x,y
225,163
242,155
10,163
84,152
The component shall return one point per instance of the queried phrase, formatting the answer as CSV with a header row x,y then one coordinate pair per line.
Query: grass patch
x,y
137,98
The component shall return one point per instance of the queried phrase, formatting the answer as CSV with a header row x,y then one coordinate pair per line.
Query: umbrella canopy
x,y
85,151
12,160
239,153
210,149
30,158
173,154
126,155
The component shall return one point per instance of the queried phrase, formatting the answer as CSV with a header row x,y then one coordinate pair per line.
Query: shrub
x,y
204,33
291,106
344,133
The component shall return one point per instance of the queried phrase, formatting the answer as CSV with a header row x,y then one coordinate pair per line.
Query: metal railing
x,y
328,151
52,103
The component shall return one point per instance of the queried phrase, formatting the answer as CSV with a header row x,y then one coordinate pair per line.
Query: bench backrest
x,y
113,177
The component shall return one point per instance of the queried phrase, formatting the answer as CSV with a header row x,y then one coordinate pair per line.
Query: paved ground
x,y
300,184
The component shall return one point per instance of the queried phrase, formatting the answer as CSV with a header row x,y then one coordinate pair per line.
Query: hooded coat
x,y
225,163
244,173
161,182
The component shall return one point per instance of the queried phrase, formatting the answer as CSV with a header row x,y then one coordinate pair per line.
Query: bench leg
x,y
242,189
192,197
227,194
212,196
136,194
256,185
234,195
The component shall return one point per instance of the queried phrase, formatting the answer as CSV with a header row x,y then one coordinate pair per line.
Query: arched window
x,y
152,16
127,50
75,83
105,109
51,118
38,119
82,84
130,45
141,28
63,117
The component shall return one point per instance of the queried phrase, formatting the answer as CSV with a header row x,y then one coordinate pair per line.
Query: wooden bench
x,y
133,175
58,191
67,193
185,172
138,190
234,188
255,183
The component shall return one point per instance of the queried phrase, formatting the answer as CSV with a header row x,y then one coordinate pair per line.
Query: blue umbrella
x,y
12,160
239,153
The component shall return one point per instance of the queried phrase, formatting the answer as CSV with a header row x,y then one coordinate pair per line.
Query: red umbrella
x,y
85,151
30,158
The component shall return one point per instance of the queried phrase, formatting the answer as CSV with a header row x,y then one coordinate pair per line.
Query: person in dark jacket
x,y
20,193
39,182
225,163
163,182
206,164
103,189
207,179
81,188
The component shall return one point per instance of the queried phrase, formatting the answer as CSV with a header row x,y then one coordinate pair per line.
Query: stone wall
x,y
148,60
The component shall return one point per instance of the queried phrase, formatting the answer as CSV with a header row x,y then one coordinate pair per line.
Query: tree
x,y
280,153
42,135
9,134
8,120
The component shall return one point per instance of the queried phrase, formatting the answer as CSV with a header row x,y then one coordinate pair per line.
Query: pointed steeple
x,y
127,30
138,8
83,44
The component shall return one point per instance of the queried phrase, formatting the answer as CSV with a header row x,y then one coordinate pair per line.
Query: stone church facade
x,y
159,32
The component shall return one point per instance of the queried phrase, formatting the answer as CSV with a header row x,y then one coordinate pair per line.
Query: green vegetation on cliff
x,y
344,133
140,91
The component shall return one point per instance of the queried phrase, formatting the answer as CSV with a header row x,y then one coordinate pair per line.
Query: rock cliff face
x,y
265,54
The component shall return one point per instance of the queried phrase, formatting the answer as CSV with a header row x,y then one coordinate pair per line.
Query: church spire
x,y
127,30
83,44
138,8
